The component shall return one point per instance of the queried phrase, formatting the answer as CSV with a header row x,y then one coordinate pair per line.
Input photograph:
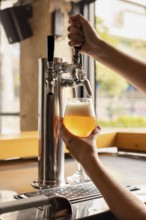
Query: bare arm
x,y
82,34
122,202
133,70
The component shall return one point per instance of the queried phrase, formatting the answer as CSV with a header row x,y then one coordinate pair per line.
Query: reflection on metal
x,y
51,207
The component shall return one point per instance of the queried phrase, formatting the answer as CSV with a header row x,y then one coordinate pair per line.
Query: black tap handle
x,y
50,48
77,50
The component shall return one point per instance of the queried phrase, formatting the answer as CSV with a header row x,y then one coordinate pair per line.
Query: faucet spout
x,y
87,86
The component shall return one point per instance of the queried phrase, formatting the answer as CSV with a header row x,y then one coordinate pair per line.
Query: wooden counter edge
x,y
25,144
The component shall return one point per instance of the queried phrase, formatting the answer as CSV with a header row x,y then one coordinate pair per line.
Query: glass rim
x,y
80,98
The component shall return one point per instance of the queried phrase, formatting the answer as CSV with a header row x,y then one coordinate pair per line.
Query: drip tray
x,y
74,193
86,203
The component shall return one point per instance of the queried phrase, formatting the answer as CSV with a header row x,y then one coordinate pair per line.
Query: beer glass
x,y
79,119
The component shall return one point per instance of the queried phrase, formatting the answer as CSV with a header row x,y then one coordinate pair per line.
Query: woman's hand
x,y
81,148
81,34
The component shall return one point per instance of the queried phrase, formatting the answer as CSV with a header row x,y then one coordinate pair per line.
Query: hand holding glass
x,y
80,120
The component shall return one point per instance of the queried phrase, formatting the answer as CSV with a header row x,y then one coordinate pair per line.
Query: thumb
x,y
95,132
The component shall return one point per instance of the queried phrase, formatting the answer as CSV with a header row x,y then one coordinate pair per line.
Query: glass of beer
x,y
79,119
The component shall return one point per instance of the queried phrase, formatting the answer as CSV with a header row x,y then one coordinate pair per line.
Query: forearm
x,y
121,202
130,68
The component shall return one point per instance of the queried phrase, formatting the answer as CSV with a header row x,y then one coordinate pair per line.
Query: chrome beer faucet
x,y
56,79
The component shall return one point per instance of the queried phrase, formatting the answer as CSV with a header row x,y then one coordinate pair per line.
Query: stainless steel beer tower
x,y
55,76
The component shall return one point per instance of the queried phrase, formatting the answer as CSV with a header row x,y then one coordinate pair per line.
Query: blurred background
x,y
120,22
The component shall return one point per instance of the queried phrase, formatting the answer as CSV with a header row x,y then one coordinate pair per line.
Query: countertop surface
x,y
16,176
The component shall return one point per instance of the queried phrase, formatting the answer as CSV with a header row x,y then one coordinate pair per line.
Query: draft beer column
x,y
54,77
51,154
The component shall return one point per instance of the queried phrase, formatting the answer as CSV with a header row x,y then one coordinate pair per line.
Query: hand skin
x,y
123,204
81,33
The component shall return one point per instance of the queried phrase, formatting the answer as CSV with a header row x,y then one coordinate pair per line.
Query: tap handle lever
x,y
77,50
81,60
50,48
76,57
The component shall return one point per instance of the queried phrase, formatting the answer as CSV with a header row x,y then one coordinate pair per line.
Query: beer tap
x,y
51,152
78,73
53,82
77,63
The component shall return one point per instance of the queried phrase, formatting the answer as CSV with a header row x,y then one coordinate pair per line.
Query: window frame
x,y
89,62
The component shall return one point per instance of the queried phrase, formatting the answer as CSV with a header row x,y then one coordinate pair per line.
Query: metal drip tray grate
x,y
74,193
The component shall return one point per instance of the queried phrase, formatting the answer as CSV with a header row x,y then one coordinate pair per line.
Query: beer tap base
x,y
46,184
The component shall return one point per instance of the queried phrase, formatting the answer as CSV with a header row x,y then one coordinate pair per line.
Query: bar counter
x,y
17,176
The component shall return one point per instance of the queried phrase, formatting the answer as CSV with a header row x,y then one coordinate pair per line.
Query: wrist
x,y
89,160
98,50
93,167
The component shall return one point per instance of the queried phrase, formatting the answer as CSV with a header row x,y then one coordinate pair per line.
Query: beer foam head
x,y
77,107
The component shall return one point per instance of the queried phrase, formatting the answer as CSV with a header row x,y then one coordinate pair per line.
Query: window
x,y
9,82
118,103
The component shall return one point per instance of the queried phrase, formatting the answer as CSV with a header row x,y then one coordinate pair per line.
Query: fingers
x,y
76,35
75,39
95,132
78,18
75,31
67,136
76,24
74,44
71,139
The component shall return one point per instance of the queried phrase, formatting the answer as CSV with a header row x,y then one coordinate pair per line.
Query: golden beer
x,y
80,125
79,117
